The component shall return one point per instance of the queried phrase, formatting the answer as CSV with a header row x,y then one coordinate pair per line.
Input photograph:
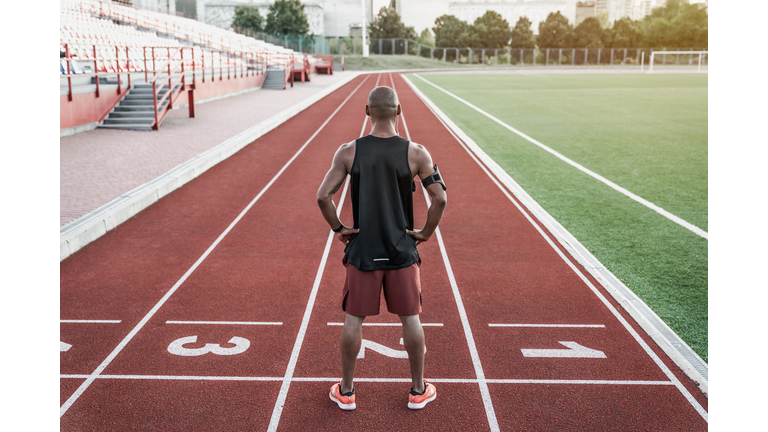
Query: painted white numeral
x,y
383,350
177,347
574,351
63,346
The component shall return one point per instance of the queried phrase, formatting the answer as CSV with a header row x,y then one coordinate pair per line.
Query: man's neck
x,y
383,129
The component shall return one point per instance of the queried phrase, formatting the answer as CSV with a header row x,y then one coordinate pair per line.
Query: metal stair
x,y
275,79
135,110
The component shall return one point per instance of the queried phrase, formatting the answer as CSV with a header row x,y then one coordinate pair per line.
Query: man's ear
x,y
367,110
399,110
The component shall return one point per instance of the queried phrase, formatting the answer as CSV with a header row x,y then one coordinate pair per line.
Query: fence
x,y
532,56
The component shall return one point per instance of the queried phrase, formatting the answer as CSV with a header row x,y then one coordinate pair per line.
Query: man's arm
x,y
342,163
424,168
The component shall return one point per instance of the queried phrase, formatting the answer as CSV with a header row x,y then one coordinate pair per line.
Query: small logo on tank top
x,y
381,259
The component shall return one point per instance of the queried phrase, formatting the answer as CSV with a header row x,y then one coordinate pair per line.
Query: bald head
x,y
382,103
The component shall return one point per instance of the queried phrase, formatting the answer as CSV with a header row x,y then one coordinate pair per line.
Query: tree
x,y
522,35
248,17
656,32
691,26
287,17
425,38
676,24
625,34
492,30
554,31
588,34
388,24
449,30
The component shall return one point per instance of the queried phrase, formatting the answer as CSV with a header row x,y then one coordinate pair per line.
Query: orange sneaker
x,y
418,401
346,401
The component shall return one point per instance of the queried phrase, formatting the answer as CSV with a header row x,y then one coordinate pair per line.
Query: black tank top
x,y
382,205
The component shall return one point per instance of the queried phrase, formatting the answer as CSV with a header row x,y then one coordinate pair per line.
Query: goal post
x,y
701,56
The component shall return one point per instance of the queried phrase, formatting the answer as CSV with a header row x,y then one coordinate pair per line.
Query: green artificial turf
x,y
646,133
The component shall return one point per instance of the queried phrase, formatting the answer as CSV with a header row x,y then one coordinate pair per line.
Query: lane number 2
x,y
177,347
383,350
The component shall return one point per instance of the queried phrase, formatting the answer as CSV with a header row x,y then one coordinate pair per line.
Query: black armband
x,y
434,178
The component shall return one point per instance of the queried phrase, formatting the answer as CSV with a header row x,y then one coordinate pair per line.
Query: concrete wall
x,y
86,107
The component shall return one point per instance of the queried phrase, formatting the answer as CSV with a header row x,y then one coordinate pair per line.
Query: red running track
x,y
274,281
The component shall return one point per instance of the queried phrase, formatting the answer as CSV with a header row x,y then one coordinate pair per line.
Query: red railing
x,y
126,60
157,81
102,66
286,62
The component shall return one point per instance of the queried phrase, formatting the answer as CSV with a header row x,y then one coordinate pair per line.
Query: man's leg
x,y
351,339
413,339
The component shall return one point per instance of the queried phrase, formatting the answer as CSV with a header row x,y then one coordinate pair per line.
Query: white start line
x,y
366,379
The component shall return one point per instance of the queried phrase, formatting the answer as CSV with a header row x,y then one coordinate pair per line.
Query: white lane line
x,y
388,324
550,325
603,382
280,402
337,379
490,413
694,403
226,322
578,166
90,321
197,263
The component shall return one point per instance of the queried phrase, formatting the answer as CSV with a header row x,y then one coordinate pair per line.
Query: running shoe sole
x,y
429,395
342,405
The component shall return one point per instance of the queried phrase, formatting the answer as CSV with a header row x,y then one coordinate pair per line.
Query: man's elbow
x,y
323,199
440,200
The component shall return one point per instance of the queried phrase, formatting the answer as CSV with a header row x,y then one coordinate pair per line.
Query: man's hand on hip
x,y
345,235
419,235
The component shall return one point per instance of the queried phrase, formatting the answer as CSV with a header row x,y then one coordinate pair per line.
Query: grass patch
x,y
647,133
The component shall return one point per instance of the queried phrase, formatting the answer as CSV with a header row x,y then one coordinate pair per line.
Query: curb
x,y
677,350
84,230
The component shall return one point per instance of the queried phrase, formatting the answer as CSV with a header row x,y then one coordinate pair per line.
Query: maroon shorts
x,y
362,290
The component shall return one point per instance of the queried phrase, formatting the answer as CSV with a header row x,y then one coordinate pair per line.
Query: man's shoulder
x,y
347,147
417,151
416,147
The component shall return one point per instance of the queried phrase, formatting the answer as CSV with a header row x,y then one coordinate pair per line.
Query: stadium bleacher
x,y
106,42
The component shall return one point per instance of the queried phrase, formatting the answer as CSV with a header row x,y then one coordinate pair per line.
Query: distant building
x,y
584,10
616,9
642,9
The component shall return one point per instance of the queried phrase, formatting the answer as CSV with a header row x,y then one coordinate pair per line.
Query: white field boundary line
x,y
277,411
176,286
84,230
550,223
490,413
677,350
578,166
337,379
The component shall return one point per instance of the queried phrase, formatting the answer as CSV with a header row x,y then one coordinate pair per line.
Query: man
x,y
381,245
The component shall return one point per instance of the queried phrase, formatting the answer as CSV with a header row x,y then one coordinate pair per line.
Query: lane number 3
x,y
177,347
